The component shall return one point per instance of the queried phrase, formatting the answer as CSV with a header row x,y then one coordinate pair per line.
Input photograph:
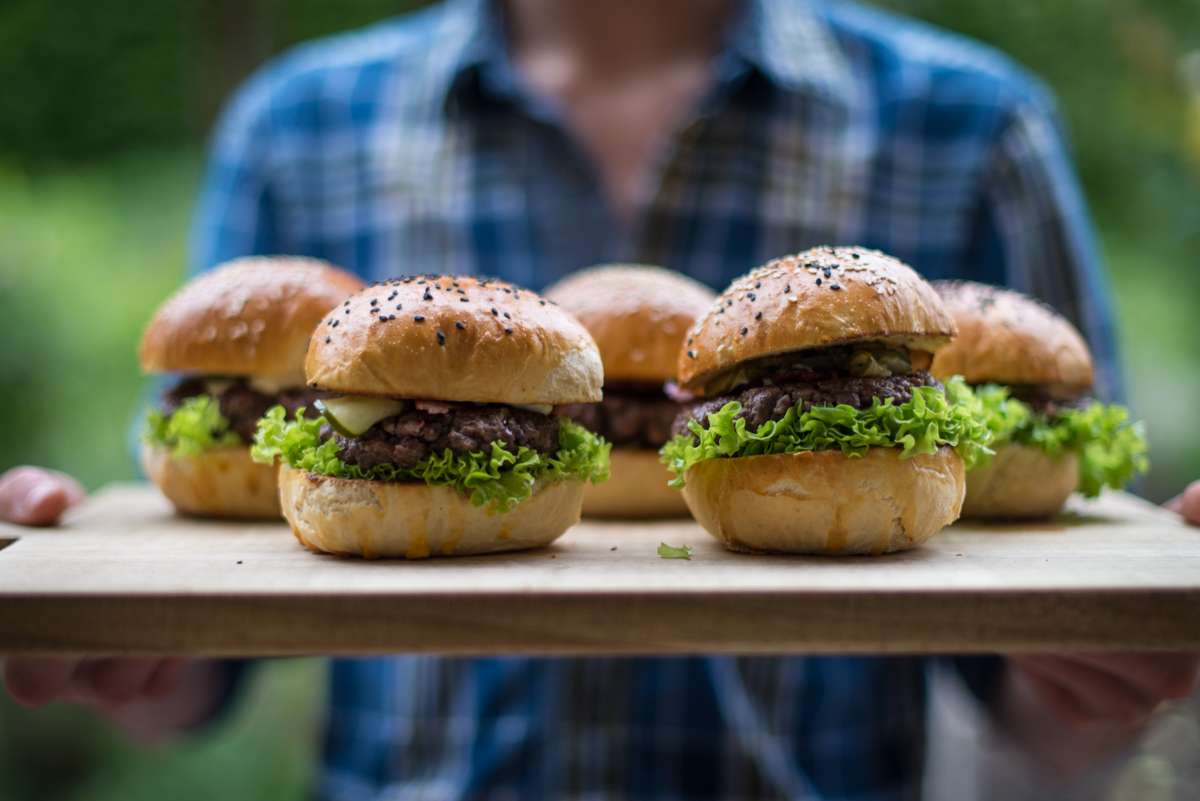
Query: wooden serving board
x,y
124,575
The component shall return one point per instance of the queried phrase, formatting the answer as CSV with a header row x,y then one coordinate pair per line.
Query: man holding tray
x,y
530,138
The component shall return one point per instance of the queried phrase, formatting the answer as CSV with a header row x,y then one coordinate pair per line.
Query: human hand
x,y
1187,503
33,496
1121,689
148,698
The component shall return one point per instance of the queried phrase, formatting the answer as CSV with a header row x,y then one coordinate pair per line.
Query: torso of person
x,y
417,147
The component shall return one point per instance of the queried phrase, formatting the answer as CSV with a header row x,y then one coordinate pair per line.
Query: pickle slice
x,y
352,415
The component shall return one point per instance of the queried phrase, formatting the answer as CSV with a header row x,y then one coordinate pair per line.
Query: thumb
x,y
32,496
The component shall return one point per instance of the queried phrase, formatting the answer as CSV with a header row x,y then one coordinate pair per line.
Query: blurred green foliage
x,y
103,114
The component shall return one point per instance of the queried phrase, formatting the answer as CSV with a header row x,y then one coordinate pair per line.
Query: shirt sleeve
x,y
235,214
1034,232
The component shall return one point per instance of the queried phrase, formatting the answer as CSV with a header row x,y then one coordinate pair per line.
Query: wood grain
x,y
126,576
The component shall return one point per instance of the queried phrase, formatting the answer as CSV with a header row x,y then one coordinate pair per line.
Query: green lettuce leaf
x,y
921,425
196,426
1110,446
499,479
674,551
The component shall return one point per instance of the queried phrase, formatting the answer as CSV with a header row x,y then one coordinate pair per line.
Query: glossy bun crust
x,y
222,483
821,502
638,316
457,339
249,317
636,489
414,520
793,304
1009,338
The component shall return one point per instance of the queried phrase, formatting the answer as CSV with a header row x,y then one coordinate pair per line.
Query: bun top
x,y
248,317
637,314
455,338
821,297
1009,338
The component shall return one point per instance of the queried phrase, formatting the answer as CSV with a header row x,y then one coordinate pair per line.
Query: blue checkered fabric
x,y
412,147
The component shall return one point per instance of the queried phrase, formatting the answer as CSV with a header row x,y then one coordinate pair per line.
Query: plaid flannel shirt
x,y
412,147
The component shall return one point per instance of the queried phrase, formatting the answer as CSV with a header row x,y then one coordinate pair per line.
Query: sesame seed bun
x,y
413,520
223,482
638,316
820,502
248,317
781,307
457,339
1009,338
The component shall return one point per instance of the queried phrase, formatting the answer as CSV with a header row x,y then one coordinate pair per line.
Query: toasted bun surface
x,y
414,520
638,316
251,316
636,489
821,502
1009,338
866,296
1021,482
442,340
216,483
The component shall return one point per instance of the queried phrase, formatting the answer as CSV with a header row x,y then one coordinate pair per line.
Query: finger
x,y
1190,504
32,496
1162,675
1175,504
1106,696
1065,704
34,682
116,681
165,678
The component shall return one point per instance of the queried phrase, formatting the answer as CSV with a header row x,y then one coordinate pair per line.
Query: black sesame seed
x,y
854,255
508,330
827,271
744,330
399,306
818,282
427,296
506,289
347,311
313,385
372,311
326,340
506,314
420,318
460,326
455,283
496,313
690,338
465,300
758,284
691,354
757,316
335,322
721,310
441,338
459,291
834,286
347,303
787,289
752,296
374,301
542,302
392,296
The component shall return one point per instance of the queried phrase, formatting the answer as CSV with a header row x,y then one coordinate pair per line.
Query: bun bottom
x,y
822,502
636,489
219,483
1021,482
413,520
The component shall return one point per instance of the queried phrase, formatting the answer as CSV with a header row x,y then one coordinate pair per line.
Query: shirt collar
x,y
788,41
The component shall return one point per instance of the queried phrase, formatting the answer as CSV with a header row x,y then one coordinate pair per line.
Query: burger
x,y
817,428
437,437
639,317
1032,375
235,339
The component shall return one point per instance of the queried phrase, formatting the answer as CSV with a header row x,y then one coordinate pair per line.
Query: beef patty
x,y
626,419
241,404
1041,403
407,438
766,403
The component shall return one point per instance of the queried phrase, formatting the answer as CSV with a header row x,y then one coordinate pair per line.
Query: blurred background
x,y
103,119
